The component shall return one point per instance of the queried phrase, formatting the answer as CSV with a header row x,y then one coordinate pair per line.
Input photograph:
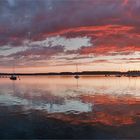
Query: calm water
x,y
63,107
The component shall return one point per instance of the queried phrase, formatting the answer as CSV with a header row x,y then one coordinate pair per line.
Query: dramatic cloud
x,y
69,43
59,32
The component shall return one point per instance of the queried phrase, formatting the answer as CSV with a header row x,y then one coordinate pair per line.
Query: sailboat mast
x,y
77,68
14,67
77,76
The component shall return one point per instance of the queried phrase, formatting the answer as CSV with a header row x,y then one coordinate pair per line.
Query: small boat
x,y
76,76
13,77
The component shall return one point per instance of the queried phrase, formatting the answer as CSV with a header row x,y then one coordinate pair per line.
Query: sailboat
x,y
13,76
77,76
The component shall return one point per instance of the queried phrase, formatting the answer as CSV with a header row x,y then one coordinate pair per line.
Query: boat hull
x,y
76,77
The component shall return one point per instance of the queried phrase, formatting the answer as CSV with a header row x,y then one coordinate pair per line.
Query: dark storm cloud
x,y
112,26
18,17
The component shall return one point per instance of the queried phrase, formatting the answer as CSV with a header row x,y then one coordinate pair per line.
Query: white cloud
x,y
68,43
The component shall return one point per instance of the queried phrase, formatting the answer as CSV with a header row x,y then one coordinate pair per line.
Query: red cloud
x,y
106,50
106,39
91,30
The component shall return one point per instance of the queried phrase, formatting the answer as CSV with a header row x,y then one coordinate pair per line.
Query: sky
x,y
55,35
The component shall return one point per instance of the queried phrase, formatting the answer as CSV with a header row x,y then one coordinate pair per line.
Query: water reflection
x,y
100,103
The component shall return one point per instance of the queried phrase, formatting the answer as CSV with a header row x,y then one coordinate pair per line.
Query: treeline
x,y
79,73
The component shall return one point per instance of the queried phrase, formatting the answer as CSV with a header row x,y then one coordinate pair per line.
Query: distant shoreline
x,y
92,73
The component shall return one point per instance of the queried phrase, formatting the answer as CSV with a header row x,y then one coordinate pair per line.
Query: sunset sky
x,y
55,35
